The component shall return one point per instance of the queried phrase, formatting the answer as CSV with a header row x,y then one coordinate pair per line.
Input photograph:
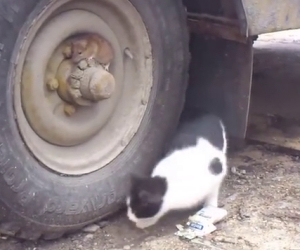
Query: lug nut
x,y
69,110
83,65
52,84
67,52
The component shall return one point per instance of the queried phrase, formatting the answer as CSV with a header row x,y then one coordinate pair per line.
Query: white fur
x,y
189,179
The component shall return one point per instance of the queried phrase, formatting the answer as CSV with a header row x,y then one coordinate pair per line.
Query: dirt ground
x,y
261,194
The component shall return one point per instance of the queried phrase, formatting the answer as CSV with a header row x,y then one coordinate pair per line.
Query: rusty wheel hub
x,y
82,83
78,74
81,77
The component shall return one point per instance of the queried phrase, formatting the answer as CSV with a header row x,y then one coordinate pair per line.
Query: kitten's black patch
x,y
216,166
207,126
146,196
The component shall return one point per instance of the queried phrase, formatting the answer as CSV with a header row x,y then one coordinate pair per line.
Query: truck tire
x,y
41,200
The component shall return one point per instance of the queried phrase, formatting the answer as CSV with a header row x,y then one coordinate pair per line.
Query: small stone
x,y
231,198
233,170
3,237
88,237
127,247
76,242
150,238
224,239
91,228
179,227
103,224
244,213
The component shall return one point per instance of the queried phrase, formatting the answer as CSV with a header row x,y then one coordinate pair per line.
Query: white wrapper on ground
x,y
210,213
202,223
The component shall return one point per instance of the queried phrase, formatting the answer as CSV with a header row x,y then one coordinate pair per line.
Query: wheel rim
x,y
78,114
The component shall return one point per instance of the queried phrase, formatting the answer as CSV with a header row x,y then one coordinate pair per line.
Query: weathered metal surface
x,y
220,81
219,18
222,27
265,16
252,17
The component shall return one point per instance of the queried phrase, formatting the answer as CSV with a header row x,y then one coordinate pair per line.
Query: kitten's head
x,y
145,200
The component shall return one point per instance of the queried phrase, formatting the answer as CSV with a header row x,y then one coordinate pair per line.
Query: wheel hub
x,y
78,72
78,96
81,78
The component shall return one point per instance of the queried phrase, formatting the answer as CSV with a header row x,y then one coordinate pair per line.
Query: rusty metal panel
x,y
220,81
216,26
265,16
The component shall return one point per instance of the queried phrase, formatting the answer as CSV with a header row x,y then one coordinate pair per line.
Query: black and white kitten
x,y
190,174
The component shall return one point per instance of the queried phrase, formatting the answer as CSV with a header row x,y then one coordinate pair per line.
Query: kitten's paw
x,y
140,225
144,224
